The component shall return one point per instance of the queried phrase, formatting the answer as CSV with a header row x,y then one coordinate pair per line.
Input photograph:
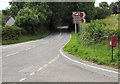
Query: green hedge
x,y
98,31
11,32
102,13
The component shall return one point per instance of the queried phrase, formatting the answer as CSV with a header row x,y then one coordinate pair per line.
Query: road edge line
x,y
84,63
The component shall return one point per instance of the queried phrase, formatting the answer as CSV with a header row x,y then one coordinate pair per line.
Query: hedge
x,y
11,32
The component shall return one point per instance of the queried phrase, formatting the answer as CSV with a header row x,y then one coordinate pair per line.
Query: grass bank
x,y
95,47
96,53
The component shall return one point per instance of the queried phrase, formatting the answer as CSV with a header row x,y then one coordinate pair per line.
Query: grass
x,y
99,53
112,21
25,38
96,53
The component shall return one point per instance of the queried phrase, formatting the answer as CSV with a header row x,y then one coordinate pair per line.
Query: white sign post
x,y
78,17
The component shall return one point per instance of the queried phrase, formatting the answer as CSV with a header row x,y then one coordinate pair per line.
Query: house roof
x,y
9,17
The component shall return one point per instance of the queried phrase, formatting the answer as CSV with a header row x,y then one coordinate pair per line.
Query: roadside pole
x,y
75,28
82,34
112,53
76,32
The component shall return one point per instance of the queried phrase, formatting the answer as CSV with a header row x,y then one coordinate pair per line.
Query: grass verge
x,y
97,53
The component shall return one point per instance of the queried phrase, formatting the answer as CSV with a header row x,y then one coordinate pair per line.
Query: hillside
x,y
112,21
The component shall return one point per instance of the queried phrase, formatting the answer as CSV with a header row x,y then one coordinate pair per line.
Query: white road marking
x,y
53,60
84,63
21,43
32,73
12,54
22,79
45,65
40,68
56,58
50,62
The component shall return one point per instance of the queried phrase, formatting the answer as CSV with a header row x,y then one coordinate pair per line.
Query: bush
x,y
103,13
11,32
27,20
98,31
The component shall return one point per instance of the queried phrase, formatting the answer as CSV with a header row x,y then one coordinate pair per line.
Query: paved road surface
x,y
41,61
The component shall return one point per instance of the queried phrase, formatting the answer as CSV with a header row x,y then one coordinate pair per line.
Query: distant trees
x,y
103,5
102,12
115,6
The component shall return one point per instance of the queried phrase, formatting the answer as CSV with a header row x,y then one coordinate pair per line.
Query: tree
x,y
103,13
115,7
16,6
27,19
64,17
103,5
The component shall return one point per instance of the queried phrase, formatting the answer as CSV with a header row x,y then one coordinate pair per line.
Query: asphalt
x,y
41,61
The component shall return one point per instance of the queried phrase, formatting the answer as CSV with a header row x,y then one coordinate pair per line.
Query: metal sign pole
x,y
75,28
112,53
82,34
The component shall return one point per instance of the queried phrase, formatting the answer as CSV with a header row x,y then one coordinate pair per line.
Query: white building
x,y
10,21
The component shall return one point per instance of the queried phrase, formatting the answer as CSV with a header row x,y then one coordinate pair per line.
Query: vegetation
x,y
95,46
11,32
103,5
24,38
112,21
102,13
33,17
115,6
27,20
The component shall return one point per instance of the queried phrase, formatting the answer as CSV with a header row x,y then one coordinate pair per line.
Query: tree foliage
x,y
103,13
103,5
115,6
27,19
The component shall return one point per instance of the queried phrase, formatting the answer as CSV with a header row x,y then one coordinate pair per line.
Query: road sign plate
x,y
78,17
78,14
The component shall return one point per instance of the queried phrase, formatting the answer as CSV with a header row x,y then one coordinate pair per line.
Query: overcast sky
x,y
4,3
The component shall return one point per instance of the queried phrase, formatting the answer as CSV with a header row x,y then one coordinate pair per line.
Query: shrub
x,y
103,13
27,20
11,32
98,31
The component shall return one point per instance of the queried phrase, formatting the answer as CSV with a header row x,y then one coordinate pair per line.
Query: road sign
x,y
78,17
79,20
78,14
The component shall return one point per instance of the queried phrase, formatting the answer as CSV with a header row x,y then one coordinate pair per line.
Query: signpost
x,y
113,43
79,17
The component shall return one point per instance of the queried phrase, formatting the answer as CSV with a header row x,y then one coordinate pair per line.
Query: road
x,y
41,61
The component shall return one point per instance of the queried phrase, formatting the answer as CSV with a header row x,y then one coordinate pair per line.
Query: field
x,y
112,21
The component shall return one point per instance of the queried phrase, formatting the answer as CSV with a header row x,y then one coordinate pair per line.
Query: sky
x,y
5,3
